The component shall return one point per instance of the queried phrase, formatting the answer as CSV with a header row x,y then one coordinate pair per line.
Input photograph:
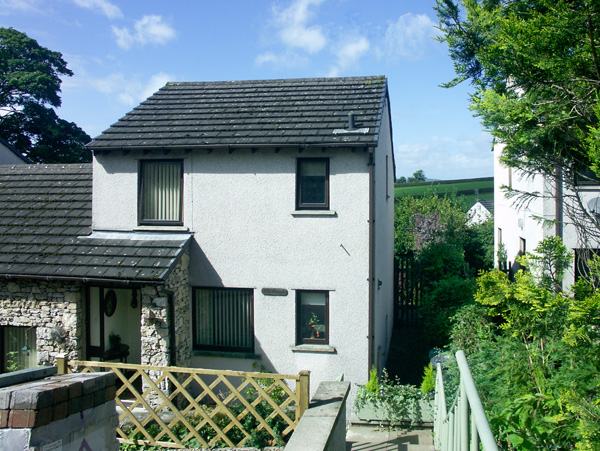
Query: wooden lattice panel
x,y
191,407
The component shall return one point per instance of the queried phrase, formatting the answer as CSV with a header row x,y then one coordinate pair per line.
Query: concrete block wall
x,y
62,411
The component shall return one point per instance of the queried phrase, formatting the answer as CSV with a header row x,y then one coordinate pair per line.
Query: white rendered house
x,y
559,209
283,193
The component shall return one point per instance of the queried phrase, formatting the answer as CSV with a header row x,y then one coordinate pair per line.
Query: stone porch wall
x,y
53,308
156,346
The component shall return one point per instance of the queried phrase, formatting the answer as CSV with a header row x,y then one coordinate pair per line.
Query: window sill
x,y
301,213
158,228
320,349
225,354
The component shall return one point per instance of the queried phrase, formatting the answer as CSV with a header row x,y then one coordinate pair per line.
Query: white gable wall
x,y
240,207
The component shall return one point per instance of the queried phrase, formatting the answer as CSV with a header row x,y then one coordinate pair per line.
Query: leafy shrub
x,y
400,403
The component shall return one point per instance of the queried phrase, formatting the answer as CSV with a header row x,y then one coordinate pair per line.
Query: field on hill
x,y
464,187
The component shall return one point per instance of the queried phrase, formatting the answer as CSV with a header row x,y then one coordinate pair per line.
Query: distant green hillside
x,y
463,187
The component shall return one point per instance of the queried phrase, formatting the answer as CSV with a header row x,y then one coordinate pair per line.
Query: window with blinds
x,y
223,319
161,189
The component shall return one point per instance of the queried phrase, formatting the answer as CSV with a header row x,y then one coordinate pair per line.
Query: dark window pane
x,y
312,184
313,317
19,348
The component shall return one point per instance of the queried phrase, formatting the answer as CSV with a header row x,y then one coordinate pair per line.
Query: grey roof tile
x,y
230,113
45,221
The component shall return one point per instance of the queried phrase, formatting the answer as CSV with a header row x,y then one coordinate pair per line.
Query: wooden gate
x,y
410,282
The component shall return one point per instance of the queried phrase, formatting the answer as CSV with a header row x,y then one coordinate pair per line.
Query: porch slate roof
x,y
45,227
290,112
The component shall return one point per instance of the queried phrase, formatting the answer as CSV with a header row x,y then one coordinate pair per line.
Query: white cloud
x,y
288,59
294,30
103,7
129,92
349,53
8,6
148,30
408,36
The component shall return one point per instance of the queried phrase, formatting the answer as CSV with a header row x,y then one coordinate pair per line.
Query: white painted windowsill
x,y
323,349
301,213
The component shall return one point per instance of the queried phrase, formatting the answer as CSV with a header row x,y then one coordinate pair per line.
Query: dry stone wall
x,y
54,309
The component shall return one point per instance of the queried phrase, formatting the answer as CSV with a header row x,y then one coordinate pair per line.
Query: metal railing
x,y
464,426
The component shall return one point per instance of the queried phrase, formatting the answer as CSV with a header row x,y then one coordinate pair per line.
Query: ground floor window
x,y
18,348
223,319
312,316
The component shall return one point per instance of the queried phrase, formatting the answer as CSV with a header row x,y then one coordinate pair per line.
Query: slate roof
x,y
488,204
45,227
292,112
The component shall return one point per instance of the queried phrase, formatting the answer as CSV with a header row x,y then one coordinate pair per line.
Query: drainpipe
x,y
371,279
558,199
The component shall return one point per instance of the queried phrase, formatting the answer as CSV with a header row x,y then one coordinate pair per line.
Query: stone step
x,y
372,438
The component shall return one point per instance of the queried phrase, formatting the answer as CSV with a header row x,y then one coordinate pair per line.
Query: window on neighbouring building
x,y
582,268
18,348
160,192
223,319
312,316
522,246
312,184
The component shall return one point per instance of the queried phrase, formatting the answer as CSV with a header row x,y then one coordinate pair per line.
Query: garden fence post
x,y
61,364
303,393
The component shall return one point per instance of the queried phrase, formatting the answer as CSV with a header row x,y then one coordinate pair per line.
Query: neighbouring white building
x,y
10,155
557,210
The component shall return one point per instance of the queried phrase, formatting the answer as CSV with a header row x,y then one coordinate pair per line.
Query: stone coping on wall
x,y
39,403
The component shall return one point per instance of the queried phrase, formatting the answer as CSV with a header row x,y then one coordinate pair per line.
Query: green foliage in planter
x,y
400,403
372,385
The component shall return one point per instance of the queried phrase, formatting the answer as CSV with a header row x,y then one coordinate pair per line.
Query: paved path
x,y
374,438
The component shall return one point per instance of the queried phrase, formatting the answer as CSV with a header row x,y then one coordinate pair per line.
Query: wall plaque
x,y
274,291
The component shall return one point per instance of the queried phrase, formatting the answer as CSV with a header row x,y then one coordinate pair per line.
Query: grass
x,y
464,187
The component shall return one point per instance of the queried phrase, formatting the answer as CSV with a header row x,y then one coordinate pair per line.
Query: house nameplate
x,y
274,291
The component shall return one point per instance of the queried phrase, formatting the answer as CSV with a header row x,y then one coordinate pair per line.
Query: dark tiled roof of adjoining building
x,y
291,112
45,224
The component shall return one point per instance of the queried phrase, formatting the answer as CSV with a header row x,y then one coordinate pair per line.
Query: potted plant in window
x,y
313,322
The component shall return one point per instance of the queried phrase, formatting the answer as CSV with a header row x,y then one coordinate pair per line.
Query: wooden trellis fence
x,y
193,407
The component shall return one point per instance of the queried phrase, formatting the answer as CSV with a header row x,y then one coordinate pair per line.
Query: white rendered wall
x,y
240,207
384,243
522,223
517,223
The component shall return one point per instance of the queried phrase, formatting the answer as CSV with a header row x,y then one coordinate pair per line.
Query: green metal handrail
x,y
465,424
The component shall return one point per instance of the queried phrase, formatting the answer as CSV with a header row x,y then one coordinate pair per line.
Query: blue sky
x,y
123,51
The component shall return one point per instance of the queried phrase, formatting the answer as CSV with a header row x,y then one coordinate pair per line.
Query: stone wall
x,y
156,345
179,283
53,308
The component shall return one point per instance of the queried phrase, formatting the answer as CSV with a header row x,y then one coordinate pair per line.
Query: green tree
x,y
418,176
434,230
29,92
535,68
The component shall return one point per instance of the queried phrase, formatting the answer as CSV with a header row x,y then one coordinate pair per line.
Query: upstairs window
x,y
312,184
161,189
223,319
